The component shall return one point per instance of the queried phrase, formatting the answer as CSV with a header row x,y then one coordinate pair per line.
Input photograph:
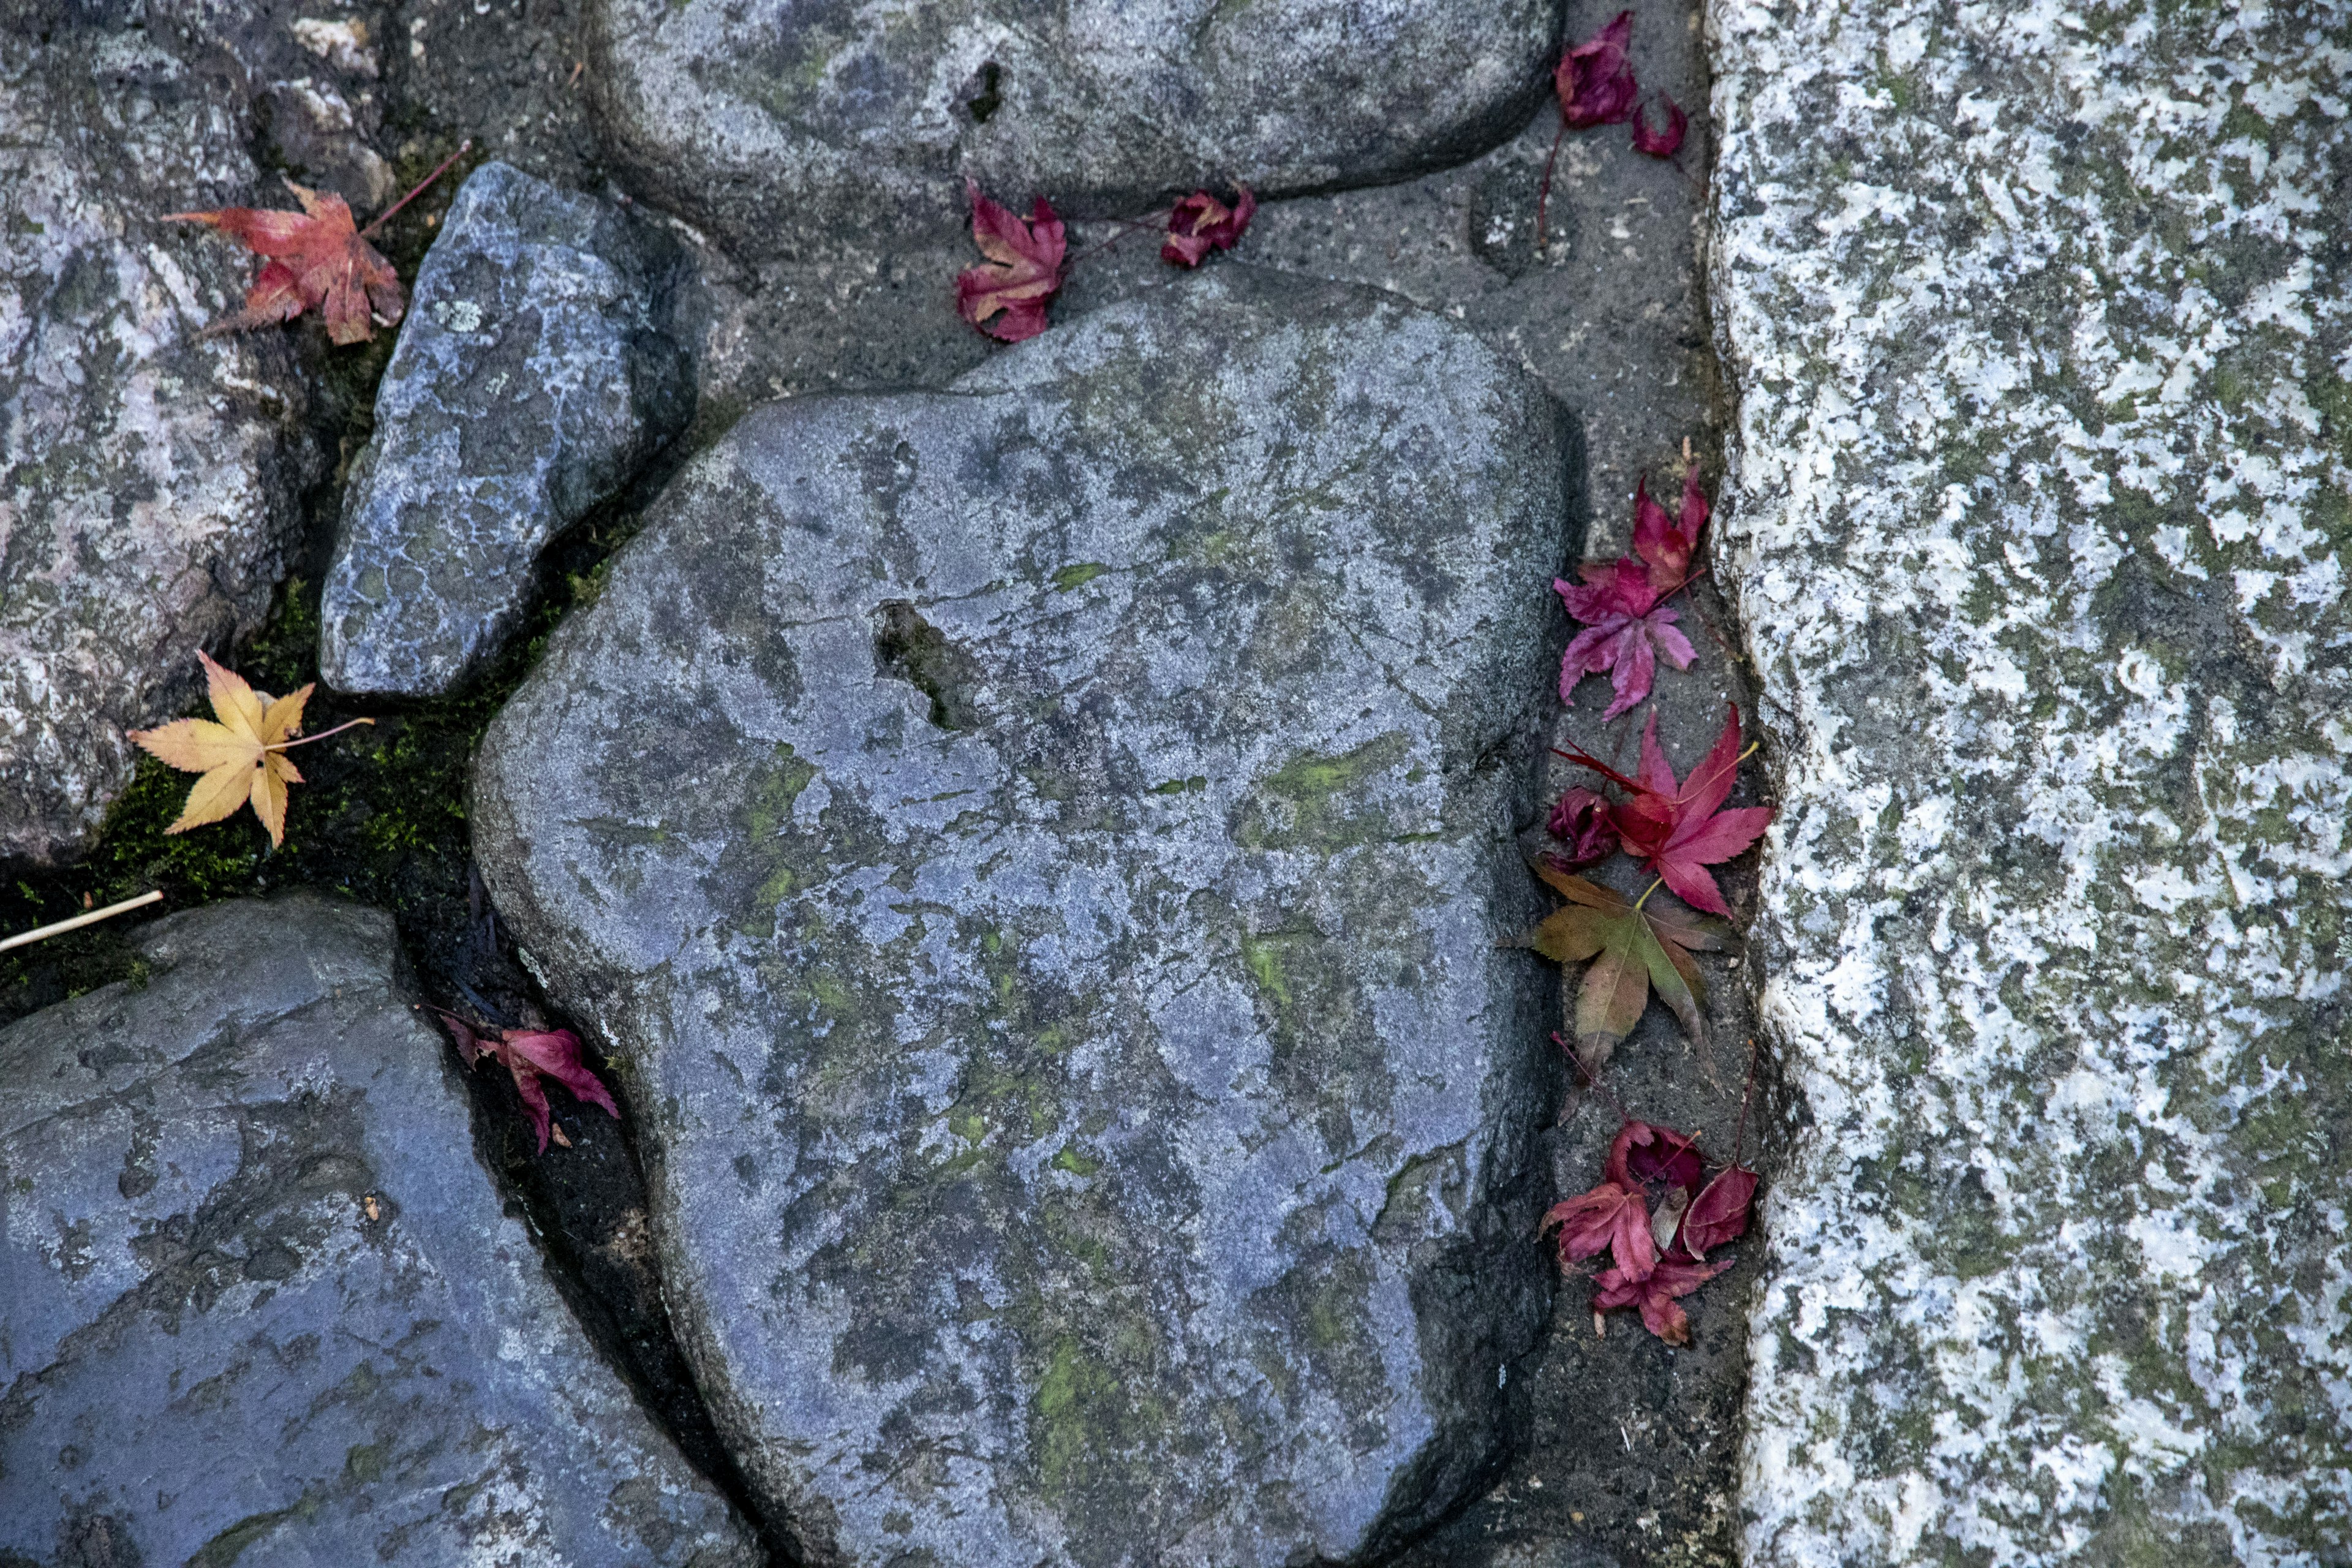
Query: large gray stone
x,y
534,374
259,1303
789,127
2042,496
1039,850
150,483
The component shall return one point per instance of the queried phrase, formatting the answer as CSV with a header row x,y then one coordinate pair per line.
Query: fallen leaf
x,y
1581,819
317,261
1610,1217
1647,1156
1720,1212
1595,81
1626,628
242,757
1201,223
530,1055
1005,295
1674,828
1654,1291
1665,545
1631,951
1661,144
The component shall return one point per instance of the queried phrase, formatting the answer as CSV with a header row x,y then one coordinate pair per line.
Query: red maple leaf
x,y
1595,81
1612,1216
1646,1155
1626,628
1005,295
1661,144
1719,1212
1675,828
1666,544
1201,223
1653,1292
529,1055
1580,818
319,261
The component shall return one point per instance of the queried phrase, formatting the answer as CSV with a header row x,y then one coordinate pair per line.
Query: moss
x,y
1306,802
1077,576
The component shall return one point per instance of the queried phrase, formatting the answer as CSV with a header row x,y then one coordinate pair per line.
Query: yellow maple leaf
x,y
242,757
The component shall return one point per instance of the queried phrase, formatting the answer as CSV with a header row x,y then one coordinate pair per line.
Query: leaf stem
x,y
1543,191
321,735
1646,892
462,148
1740,1133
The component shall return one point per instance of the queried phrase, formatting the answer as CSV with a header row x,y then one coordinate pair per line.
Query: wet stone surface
x,y
788,129
150,483
2041,506
1037,855
535,374
260,1303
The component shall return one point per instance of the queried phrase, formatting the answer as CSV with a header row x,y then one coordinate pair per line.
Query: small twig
x,y
1740,1133
93,918
1543,191
462,148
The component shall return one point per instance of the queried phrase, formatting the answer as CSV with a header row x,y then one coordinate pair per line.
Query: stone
x,y
534,374
260,1302
786,127
2040,506
151,481
1038,853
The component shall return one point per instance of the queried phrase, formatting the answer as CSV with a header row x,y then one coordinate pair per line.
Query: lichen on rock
x,y
1037,853
2039,324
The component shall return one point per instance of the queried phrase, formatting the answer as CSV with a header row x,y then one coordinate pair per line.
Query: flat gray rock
x,y
534,374
2042,498
1038,850
260,1304
790,128
150,483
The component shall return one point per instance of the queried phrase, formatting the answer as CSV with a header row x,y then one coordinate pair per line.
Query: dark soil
x,y
1624,1450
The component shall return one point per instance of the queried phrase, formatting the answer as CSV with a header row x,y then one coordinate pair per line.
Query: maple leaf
x,y
1626,628
1665,545
530,1055
319,261
242,756
1654,1291
1612,1216
1631,949
1595,81
1580,817
1201,223
1005,295
1661,144
1674,828
1719,1212
1644,1156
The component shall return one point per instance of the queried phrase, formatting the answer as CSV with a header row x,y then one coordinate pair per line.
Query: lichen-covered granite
x,y
791,127
1038,852
260,1304
2037,319
150,482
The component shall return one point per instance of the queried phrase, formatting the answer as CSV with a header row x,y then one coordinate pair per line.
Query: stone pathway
x,y
2039,521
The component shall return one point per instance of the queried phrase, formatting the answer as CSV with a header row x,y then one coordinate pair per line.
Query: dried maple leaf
x,y
1631,949
1665,545
1661,144
1201,223
530,1055
1647,1156
1610,1216
1626,628
242,757
1674,828
1720,1212
1654,1291
319,261
1005,295
1595,81
1581,819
